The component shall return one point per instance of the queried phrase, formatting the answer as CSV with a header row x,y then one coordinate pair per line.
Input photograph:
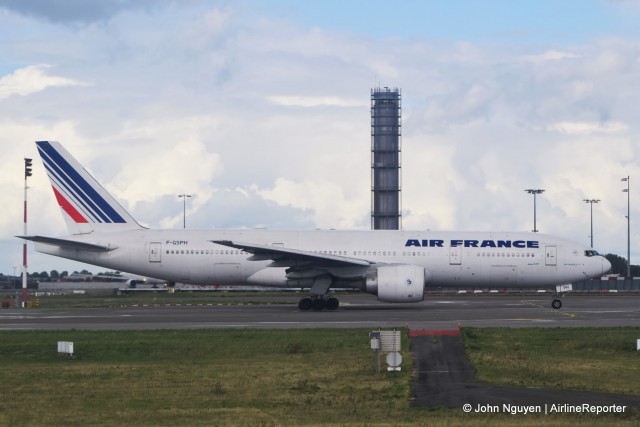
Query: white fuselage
x,y
487,259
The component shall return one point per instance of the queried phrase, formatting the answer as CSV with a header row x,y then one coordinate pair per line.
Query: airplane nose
x,y
606,265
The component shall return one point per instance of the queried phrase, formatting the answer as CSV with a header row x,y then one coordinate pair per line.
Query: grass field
x,y
602,359
285,377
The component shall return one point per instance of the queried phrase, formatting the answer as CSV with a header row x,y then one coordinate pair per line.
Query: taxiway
x,y
436,312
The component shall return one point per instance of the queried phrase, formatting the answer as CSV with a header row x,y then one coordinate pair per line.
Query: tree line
x,y
54,275
619,266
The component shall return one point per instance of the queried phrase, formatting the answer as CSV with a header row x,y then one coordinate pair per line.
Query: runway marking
x,y
66,317
219,325
562,313
605,311
358,322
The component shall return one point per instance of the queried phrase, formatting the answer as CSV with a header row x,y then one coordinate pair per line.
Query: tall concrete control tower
x,y
386,130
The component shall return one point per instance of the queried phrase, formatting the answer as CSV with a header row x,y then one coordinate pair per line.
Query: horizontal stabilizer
x,y
71,244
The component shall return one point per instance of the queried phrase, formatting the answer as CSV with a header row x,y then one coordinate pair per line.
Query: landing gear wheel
x,y
556,303
332,303
318,304
305,304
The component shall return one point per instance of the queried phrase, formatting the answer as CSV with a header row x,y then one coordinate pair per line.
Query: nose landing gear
x,y
556,303
560,290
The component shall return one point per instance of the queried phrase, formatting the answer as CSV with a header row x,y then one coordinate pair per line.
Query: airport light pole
x,y
591,202
535,192
626,190
27,173
184,209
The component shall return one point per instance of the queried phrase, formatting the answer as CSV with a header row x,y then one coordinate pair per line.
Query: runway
x,y
436,312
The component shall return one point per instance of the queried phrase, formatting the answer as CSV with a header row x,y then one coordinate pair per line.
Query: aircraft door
x,y
551,255
455,255
155,252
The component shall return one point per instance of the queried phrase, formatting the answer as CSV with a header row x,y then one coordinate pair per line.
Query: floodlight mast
x,y
534,192
184,208
591,202
626,190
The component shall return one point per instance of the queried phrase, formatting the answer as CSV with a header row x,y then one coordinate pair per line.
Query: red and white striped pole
x,y
27,173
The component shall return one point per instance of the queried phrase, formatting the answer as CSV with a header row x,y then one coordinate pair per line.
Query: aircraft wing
x,y
284,257
71,244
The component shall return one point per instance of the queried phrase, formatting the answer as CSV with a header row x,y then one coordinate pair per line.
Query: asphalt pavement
x,y
356,310
444,376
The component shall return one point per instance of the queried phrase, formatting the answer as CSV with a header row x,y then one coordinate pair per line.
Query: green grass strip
x,y
279,377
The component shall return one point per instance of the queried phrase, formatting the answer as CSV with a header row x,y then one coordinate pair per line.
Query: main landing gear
x,y
556,303
318,302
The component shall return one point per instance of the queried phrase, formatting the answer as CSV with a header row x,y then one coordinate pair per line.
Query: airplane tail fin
x,y
86,205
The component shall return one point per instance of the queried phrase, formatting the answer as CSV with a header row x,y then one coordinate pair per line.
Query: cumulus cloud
x,y
315,101
32,79
325,201
585,128
266,120
550,55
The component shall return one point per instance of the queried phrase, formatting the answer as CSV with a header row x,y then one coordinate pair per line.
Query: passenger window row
x,y
506,254
204,252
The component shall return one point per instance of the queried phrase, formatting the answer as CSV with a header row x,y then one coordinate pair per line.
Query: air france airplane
x,y
396,266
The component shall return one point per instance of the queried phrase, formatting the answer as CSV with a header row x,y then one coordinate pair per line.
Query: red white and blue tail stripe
x,y
85,204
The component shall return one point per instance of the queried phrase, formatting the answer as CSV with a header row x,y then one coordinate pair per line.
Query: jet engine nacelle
x,y
397,283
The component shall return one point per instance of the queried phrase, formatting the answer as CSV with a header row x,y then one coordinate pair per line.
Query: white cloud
x,y
315,101
586,128
32,79
550,55
267,122
325,201
179,163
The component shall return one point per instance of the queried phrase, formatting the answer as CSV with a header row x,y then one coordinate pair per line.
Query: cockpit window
x,y
590,253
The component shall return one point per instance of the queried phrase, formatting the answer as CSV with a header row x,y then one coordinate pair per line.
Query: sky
x,y
261,110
